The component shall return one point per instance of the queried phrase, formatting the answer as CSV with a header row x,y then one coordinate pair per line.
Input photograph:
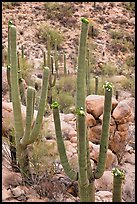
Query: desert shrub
x,y
129,84
122,41
66,101
101,81
130,6
26,67
45,29
67,84
64,92
115,34
59,10
43,155
108,69
130,61
93,31
10,5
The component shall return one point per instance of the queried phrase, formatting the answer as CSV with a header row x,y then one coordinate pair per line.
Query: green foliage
x,y
45,29
59,10
122,41
10,5
130,61
67,84
42,156
108,69
118,172
128,84
26,67
115,34
130,6
93,31
65,99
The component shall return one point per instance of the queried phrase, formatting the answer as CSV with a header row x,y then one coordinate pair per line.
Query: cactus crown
x,y
80,111
108,86
118,172
10,23
84,20
54,105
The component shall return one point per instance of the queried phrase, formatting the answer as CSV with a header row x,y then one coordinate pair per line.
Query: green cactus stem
x,y
61,147
23,138
65,66
21,83
21,152
8,66
48,51
38,123
118,178
44,59
80,103
56,58
87,78
96,85
22,52
105,130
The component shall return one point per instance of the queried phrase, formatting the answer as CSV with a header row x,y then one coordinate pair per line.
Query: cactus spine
x,y
85,175
118,177
23,138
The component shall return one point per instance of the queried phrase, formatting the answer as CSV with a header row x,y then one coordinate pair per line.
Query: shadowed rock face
x,y
121,115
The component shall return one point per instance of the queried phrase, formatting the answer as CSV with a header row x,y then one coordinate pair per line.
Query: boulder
x,y
122,113
111,157
95,105
94,133
5,86
105,183
8,117
119,140
90,120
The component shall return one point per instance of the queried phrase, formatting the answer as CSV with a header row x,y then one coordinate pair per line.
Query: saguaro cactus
x,y
118,178
8,66
85,175
28,134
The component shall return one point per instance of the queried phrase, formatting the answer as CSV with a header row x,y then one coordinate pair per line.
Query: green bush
x,y
130,61
26,67
66,101
45,29
108,69
116,34
129,84
59,10
42,156
130,6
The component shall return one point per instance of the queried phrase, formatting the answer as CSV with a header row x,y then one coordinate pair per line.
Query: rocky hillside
x,y
112,40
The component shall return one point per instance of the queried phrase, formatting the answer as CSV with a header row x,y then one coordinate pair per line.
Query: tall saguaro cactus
x,y
85,175
28,134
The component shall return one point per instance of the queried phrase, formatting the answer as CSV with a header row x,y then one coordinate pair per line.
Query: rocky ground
x,y
56,187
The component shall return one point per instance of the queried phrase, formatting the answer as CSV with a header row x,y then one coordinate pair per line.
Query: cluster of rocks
x,y
119,138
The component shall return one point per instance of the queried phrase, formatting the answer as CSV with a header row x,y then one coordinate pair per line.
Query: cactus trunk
x,y
22,155
86,176
80,104
27,135
105,133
